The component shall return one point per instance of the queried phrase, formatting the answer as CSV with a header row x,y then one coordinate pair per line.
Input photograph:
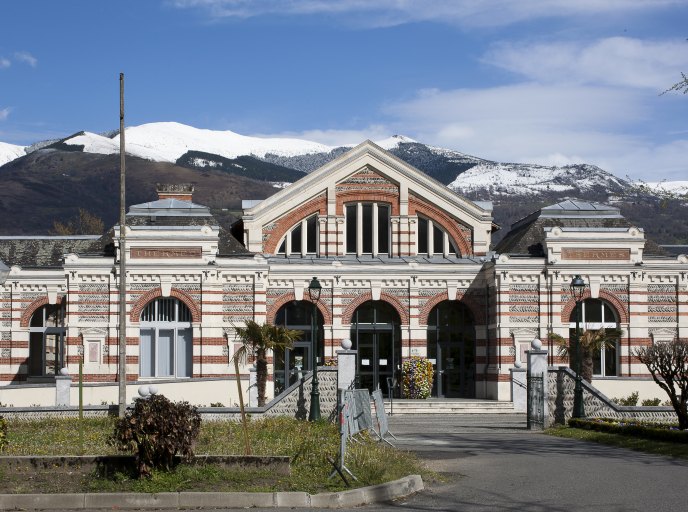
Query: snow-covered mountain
x,y
523,179
466,174
9,152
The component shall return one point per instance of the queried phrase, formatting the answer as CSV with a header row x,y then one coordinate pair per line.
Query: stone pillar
x,y
252,387
63,383
519,391
537,367
346,366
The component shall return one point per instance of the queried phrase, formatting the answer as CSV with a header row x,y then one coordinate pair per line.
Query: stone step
x,y
449,407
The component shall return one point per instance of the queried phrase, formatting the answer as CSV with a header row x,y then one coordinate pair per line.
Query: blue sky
x,y
540,81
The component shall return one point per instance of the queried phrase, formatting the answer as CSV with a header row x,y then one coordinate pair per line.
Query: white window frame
x,y
375,229
447,247
175,326
286,240
60,333
596,326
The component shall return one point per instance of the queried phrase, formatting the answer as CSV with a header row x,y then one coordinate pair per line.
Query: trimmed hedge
x,y
646,430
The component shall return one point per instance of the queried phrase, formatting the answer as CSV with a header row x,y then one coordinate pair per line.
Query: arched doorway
x,y
595,315
46,341
290,365
451,347
376,334
166,339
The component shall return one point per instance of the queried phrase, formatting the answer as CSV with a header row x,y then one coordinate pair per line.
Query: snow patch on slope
x,y
394,141
673,187
524,179
94,143
168,141
9,152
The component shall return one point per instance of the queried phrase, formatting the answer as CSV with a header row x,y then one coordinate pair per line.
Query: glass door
x,y
291,365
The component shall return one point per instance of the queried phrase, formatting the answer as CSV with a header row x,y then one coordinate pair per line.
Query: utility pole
x,y
122,352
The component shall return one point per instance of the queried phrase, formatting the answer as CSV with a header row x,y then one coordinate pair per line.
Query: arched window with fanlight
x,y
595,315
301,239
47,341
166,343
433,240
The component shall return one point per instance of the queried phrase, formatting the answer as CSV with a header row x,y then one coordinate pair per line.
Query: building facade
x,y
406,266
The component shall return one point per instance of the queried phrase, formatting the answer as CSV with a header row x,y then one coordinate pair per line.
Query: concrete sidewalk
x,y
215,500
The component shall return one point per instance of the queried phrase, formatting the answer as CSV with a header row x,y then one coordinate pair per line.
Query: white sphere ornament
x,y
144,391
536,344
346,344
518,364
153,389
64,371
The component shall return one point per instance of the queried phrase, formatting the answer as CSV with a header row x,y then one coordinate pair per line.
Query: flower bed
x,y
636,428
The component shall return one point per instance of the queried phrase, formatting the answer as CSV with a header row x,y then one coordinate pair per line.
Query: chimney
x,y
180,191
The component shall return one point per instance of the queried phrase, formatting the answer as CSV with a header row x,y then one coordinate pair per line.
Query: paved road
x,y
493,463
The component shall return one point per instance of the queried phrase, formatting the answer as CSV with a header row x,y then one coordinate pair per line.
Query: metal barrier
x,y
536,401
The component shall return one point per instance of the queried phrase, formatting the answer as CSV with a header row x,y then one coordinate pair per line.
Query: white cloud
x,y
396,12
337,137
616,61
27,58
4,113
4,63
546,124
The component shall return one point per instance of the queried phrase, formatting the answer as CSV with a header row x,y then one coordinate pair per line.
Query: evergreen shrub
x,y
157,430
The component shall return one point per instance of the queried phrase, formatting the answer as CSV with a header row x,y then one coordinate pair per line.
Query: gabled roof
x,y
368,153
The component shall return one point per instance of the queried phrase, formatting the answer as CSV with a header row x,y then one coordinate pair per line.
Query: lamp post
x,y
314,290
577,290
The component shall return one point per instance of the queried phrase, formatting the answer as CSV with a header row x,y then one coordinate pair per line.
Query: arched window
x,y
166,346
367,228
291,364
595,315
46,341
451,348
302,239
433,240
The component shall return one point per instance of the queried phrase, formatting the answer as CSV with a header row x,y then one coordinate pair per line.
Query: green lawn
x,y
679,450
308,444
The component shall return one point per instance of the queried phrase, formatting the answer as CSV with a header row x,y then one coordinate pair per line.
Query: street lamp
x,y
577,290
314,290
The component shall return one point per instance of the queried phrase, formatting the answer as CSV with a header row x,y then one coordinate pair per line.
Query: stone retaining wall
x,y
293,402
561,382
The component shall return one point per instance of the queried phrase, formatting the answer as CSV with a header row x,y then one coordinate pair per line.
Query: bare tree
x,y
668,364
85,223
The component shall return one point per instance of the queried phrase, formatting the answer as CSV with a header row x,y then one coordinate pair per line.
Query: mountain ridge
x,y
36,180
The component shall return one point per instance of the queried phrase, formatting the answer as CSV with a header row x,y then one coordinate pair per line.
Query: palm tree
x,y
256,340
591,342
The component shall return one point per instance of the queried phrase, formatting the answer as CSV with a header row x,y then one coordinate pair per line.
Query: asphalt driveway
x,y
491,462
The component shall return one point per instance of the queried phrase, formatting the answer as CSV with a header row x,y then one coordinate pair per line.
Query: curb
x,y
356,497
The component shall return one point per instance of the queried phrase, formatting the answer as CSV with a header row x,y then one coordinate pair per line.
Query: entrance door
x,y
375,334
451,348
291,364
455,370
